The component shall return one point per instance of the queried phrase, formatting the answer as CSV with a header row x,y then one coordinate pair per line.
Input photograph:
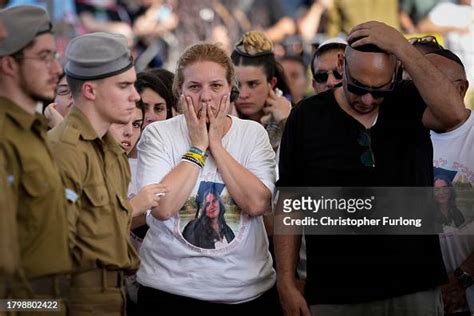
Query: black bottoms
x,y
156,302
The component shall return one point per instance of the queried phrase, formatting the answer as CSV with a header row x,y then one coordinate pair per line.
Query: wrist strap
x,y
198,151
195,156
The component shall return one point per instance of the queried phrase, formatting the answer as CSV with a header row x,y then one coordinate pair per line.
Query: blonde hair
x,y
202,52
256,49
254,43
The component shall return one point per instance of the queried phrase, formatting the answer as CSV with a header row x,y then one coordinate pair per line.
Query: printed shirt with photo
x,y
241,270
453,153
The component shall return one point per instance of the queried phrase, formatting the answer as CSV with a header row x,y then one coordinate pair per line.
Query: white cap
x,y
333,42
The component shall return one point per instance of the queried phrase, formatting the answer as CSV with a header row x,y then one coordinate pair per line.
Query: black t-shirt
x,y
320,148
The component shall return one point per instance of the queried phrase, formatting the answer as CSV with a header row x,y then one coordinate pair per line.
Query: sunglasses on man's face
x,y
322,76
359,89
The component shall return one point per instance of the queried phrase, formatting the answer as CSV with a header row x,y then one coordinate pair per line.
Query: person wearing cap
x,y
370,132
324,69
326,75
6,263
8,238
101,75
29,73
453,153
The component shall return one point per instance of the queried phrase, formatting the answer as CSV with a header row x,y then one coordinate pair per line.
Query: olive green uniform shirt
x,y
9,258
345,14
96,174
36,193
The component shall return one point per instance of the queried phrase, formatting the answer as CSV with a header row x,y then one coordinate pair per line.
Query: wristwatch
x,y
464,278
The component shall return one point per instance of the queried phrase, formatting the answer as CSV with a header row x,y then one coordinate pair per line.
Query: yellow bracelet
x,y
200,158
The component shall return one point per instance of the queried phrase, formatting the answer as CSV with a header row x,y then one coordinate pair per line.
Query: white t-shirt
x,y
239,268
131,283
132,187
453,154
462,44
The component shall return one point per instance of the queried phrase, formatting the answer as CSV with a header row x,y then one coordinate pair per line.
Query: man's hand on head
x,y
379,34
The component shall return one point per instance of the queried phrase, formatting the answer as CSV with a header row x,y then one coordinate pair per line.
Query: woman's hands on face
x,y
196,125
217,123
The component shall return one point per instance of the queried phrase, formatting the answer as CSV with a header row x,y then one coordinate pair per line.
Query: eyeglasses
x,y
367,158
428,40
361,90
62,90
46,57
322,76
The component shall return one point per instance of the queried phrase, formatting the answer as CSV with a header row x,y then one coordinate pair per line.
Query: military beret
x,y
22,23
97,55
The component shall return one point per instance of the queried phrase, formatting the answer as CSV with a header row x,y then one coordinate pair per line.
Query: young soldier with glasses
x,y
29,72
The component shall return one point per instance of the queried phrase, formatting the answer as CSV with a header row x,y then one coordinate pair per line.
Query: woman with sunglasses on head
x,y
201,150
262,84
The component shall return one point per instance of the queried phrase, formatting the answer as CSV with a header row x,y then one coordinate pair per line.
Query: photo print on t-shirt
x,y
454,198
211,219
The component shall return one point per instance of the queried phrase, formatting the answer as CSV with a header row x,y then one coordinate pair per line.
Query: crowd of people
x,y
157,31
133,189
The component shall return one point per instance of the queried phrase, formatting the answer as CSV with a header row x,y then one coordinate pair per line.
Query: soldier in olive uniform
x,y
8,237
29,73
95,170
9,258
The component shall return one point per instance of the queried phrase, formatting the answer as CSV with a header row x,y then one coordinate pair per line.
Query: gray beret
x,y
22,23
97,55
